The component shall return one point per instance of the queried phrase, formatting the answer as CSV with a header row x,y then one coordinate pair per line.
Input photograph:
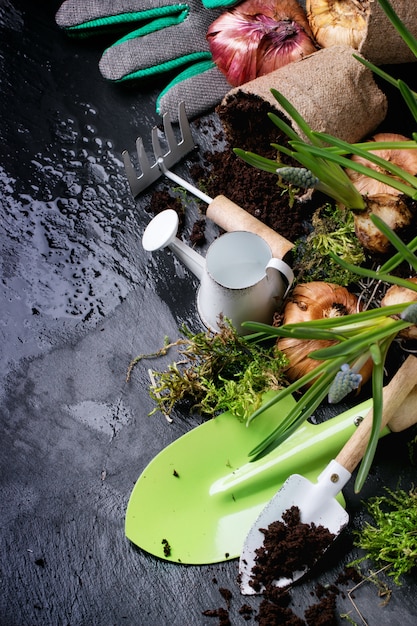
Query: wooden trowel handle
x,y
231,217
395,393
406,414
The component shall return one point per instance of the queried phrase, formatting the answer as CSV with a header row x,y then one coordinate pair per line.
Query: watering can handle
x,y
231,217
395,394
284,270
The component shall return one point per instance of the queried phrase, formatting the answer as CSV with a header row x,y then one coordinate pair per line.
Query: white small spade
x,y
239,277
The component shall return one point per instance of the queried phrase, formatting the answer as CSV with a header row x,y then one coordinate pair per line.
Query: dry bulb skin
x,y
258,37
392,210
397,295
382,199
338,22
314,301
406,159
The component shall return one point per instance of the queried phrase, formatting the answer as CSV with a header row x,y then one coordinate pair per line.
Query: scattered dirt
x,y
167,547
288,540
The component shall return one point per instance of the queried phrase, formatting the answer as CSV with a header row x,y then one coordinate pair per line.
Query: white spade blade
x,y
317,504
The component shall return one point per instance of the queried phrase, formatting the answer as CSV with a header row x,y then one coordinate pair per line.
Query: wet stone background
x,y
80,299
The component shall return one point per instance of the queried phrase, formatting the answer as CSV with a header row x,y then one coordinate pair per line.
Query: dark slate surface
x,y
79,299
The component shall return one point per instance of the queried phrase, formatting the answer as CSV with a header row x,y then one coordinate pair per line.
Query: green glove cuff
x,y
214,4
152,27
194,70
172,64
201,88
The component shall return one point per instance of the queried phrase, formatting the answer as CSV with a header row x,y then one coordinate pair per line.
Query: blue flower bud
x,y
344,382
299,176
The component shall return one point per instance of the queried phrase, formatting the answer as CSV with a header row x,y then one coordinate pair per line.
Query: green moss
x,y
333,232
392,539
217,372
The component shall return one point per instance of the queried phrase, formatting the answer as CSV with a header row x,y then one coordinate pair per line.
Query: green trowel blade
x,y
197,499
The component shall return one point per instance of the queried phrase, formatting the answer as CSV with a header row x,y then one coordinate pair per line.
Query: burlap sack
x,y
382,44
334,93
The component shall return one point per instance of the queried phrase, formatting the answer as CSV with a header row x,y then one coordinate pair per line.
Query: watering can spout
x,y
191,259
161,232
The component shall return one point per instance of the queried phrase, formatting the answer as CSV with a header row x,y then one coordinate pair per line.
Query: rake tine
x,y
185,128
149,173
176,150
132,178
169,136
157,150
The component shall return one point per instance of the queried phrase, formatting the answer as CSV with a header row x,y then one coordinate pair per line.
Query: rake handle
x,y
395,405
231,217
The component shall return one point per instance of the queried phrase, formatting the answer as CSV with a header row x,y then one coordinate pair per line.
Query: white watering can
x,y
239,277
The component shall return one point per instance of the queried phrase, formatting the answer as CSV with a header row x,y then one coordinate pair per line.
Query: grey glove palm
x,y
162,38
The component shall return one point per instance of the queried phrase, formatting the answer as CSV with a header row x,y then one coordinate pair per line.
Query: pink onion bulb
x,y
258,37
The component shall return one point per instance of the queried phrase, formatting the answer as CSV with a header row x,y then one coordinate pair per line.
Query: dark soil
x,y
222,172
289,546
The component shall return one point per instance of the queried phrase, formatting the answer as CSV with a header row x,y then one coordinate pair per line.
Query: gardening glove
x,y
162,36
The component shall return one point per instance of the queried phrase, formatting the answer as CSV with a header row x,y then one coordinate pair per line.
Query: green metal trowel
x,y
197,499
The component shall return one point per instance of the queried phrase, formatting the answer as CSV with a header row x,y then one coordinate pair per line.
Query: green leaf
x,y
397,258
262,163
295,115
357,320
377,396
381,162
377,70
283,126
304,408
409,96
363,271
295,386
359,343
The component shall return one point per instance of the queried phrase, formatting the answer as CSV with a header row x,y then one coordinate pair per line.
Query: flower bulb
x,y
258,37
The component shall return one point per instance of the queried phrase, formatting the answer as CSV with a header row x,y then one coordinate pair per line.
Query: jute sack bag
x,y
382,44
333,91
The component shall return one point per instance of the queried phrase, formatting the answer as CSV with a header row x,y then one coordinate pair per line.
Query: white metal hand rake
x,y
221,210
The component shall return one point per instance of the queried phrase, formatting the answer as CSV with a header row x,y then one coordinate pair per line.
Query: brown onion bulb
x,y
399,295
392,210
314,301
258,37
338,22
406,159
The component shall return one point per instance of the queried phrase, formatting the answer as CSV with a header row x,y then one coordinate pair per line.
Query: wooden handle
x,y
406,414
231,217
394,395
